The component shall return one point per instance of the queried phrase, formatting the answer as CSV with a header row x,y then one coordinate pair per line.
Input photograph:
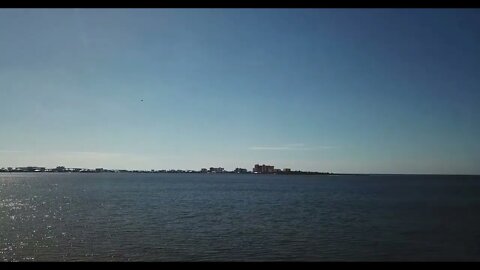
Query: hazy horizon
x,y
337,90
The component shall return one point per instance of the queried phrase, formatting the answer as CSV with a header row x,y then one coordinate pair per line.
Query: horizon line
x,y
226,171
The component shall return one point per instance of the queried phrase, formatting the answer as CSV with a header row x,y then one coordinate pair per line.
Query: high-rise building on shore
x,y
263,169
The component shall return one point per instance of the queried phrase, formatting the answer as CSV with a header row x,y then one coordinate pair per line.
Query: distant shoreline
x,y
258,169
180,172
248,173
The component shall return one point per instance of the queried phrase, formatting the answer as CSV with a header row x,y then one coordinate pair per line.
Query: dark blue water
x,y
197,217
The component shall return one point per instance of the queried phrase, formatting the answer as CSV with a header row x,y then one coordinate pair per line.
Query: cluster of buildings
x,y
57,169
213,170
257,169
269,169
23,169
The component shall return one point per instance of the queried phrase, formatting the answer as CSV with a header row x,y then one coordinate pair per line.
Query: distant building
x,y
240,170
204,170
287,170
60,169
216,170
98,169
31,169
263,169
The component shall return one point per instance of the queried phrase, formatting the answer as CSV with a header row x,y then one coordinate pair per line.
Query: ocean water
x,y
226,217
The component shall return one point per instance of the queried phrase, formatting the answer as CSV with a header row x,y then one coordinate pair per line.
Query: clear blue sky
x,y
367,91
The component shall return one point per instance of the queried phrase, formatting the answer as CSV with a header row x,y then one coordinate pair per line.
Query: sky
x,y
338,90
